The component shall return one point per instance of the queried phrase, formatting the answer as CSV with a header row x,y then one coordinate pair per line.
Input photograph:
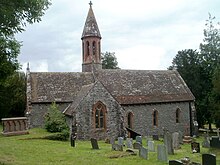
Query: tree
x,y
109,61
13,95
55,119
198,68
187,63
215,97
14,16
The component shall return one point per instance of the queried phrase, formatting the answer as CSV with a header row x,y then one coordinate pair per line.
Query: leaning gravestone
x,y
143,152
168,141
120,141
151,146
208,159
137,145
94,143
195,147
129,142
162,153
139,139
175,162
176,144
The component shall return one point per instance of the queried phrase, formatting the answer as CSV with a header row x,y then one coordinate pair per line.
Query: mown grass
x,y
26,150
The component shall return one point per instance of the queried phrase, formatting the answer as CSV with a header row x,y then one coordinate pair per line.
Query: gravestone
x,y
168,141
112,141
218,134
206,141
139,139
180,137
195,147
155,137
175,162
73,135
120,141
117,147
162,153
143,152
215,142
137,145
175,137
129,142
94,143
151,146
208,159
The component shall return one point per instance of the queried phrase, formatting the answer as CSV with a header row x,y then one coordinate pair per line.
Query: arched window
x,y
155,118
99,112
94,48
130,119
83,50
177,115
87,48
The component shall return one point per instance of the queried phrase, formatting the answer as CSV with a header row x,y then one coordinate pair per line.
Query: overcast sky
x,y
144,34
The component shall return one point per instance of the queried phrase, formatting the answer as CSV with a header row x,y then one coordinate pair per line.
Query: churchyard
x,y
31,149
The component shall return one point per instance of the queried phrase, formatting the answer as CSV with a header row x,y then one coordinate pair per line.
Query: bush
x,y
55,120
62,136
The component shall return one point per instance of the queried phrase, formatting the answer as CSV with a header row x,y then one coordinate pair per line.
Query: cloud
x,y
143,34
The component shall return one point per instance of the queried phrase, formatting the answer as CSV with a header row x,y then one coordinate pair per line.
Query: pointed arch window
x,y
99,115
87,48
130,120
94,48
155,118
177,115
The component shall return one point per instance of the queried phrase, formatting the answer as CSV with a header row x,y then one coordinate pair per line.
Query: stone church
x,y
103,102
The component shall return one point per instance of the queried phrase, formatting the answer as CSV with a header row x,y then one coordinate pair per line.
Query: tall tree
x,y
14,16
198,68
109,61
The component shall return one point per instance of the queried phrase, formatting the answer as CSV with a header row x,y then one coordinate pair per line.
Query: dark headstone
x,y
215,142
117,147
195,147
175,162
73,135
137,145
143,152
155,137
94,143
208,159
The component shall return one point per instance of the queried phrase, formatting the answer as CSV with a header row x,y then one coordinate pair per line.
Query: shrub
x,y
55,120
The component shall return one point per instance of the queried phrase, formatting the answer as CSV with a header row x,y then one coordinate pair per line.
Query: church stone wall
x,y
85,117
38,111
143,117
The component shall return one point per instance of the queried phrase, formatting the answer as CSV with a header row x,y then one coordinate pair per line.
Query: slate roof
x,y
126,86
57,86
91,27
145,86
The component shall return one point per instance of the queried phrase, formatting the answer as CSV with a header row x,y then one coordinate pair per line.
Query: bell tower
x,y
91,44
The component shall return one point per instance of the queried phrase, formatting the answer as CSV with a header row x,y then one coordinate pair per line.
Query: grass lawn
x,y
26,150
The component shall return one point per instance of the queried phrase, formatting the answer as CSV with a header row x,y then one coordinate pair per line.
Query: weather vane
x,y
90,3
